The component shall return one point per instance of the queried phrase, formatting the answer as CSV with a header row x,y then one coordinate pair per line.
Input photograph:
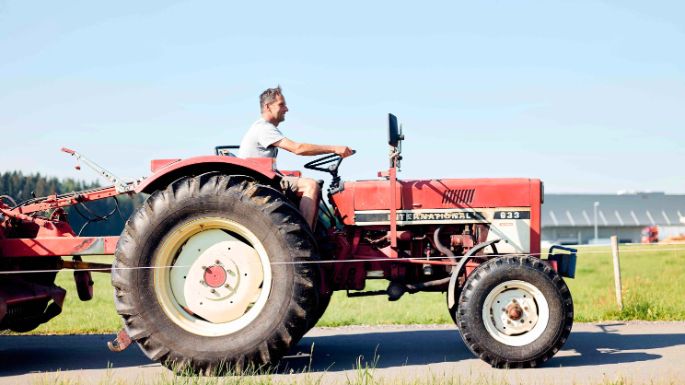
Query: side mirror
x,y
394,135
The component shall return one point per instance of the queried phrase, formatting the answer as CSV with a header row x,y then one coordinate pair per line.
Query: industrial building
x,y
593,218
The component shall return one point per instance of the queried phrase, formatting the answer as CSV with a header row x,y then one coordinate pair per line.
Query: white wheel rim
x,y
224,307
529,308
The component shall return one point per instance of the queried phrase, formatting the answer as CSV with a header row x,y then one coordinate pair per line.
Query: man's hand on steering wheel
x,y
331,162
343,151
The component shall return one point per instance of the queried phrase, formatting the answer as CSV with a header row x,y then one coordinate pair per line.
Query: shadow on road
x,y
385,349
26,354
405,348
607,346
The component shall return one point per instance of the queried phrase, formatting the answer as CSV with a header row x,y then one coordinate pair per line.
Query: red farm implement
x,y
219,270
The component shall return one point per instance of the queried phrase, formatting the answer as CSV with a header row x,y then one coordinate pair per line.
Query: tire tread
x,y
504,263
287,223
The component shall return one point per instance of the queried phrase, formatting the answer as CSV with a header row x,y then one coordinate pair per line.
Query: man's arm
x,y
312,149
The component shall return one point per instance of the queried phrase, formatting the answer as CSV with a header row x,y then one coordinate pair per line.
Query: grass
x,y
653,283
653,280
359,375
362,373
95,316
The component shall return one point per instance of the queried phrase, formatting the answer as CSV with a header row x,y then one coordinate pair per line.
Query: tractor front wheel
x,y
515,311
211,275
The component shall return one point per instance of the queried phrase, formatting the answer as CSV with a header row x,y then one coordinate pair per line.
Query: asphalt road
x,y
636,351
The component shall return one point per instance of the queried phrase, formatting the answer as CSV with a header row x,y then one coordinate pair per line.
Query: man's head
x,y
273,105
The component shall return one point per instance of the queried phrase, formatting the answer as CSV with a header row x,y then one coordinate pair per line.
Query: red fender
x,y
168,170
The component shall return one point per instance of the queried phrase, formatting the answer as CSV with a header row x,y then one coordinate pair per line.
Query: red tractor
x,y
649,234
219,271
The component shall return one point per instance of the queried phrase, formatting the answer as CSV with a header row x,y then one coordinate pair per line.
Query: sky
x,y
588,96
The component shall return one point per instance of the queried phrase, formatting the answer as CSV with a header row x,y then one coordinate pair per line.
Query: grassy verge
x,y
653,283
361,375
653,278
95,316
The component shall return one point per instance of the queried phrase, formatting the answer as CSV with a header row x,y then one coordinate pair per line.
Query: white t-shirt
x,y
258,140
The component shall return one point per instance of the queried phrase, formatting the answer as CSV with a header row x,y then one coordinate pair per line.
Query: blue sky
x,y
586,95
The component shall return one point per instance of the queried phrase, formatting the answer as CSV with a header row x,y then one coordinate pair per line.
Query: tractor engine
x,y
437,222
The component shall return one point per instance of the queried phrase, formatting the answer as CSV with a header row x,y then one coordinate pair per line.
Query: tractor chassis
x,y
241,226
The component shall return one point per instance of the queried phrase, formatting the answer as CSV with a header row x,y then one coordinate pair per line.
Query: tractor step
x,y
366,293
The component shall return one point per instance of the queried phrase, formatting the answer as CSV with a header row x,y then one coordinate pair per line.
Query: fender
x,y
451,300
258,168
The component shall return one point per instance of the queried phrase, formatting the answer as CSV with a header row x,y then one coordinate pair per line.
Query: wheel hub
x,y
515,313
215,276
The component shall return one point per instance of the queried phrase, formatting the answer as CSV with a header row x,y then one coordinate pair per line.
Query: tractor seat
x,y
226,150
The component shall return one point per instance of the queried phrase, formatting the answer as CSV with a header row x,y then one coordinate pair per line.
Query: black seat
x,y
226,150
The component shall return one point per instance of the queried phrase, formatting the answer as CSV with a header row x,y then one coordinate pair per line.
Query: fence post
x,y
617,271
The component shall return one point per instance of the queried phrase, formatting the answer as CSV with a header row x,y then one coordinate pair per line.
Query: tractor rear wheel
x,y
317,313
515,312
326,253
211,275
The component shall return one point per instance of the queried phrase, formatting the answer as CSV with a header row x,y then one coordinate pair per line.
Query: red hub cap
x,y
215,276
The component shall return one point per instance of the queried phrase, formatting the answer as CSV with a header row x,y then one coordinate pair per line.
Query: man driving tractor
x,y
263,139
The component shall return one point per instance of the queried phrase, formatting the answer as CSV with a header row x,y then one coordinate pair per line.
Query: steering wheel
x,y
327,163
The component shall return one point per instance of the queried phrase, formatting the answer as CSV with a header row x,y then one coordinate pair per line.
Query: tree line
x,y
84,218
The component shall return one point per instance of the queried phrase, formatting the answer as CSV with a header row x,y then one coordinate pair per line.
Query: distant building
x,y
570,218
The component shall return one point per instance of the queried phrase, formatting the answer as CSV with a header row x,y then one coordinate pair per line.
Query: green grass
x,y
95,316
360,375
653,280
653,287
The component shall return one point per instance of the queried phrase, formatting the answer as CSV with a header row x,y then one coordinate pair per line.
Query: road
x,y
635,351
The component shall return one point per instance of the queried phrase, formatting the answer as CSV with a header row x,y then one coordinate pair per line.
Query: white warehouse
x,y
573,218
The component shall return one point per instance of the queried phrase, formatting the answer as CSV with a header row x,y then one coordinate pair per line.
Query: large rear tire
x,y
326,253
515,311
211,275
318,312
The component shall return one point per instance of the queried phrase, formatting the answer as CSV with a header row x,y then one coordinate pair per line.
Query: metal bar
x,y
366,293
57,246
119,184
53,201
428,261
393,211
25,218
90,266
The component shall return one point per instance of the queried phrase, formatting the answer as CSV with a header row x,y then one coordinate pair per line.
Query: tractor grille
x,y
458,196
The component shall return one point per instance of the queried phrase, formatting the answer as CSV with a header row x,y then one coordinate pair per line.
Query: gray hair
x,y
269,96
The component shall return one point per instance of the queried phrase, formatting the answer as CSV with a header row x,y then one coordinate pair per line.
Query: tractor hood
x,y
510,208
463,195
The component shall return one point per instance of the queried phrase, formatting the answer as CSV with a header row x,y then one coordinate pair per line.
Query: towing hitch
x,y
120,343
